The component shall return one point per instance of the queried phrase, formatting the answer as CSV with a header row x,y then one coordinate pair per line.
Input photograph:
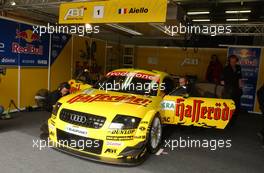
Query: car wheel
x,y
155,135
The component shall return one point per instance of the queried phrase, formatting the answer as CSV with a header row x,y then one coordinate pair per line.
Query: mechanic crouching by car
x,y
52,98
232,81
260,95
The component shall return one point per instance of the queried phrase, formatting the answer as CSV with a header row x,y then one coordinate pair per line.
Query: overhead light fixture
x,y
88,26
238,11
201,20
234,20
125,29
197,12
162,28
13,3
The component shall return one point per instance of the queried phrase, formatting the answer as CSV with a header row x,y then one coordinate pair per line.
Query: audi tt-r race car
x,y
119,119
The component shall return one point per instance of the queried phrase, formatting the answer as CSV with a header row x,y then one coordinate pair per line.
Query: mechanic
x,y
214,70
260,95
232,81
184,88
84,76
53,97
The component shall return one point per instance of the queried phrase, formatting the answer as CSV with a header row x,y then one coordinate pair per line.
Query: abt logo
x,y
2,47
74,13
109,150
190,61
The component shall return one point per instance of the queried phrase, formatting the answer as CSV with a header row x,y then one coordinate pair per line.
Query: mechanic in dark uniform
x,y
184,89
232,81
52,98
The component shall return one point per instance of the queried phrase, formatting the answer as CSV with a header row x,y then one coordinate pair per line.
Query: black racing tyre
x,y
155,135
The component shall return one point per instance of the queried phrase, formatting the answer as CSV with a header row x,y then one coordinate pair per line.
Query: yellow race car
x,y
119,119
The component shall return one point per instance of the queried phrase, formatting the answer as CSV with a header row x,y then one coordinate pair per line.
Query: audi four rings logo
x,y
78,118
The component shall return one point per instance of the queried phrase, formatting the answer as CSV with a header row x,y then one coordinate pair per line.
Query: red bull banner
x,y
8,35
20,46
249,59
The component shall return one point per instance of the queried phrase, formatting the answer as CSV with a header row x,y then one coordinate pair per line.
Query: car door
x,y
196,111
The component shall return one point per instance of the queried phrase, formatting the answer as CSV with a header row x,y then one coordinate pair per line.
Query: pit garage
x,y
131,86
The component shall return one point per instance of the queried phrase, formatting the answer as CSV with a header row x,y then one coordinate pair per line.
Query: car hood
x,y
110,103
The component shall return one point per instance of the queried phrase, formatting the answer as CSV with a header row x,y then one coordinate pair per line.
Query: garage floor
x,y
245,155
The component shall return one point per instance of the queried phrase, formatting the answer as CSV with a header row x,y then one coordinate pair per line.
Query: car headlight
x,y
124,122
56,107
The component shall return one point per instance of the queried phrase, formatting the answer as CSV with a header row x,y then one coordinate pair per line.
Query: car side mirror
x,y
186,95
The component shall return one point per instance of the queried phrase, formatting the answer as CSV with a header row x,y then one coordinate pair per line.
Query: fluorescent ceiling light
x,y
197,12
162,28
237,12
13,3
88,26
232,20
125,29
201,20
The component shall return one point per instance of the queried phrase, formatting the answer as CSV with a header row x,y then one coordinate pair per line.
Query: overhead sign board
x,y
113,11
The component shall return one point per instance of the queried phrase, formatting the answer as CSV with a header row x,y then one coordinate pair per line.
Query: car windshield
x,y
134,83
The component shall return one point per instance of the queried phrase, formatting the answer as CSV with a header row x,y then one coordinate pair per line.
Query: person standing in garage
x,y
214,70
232,81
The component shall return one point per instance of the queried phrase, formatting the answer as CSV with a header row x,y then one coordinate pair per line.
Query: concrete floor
x,y
17,154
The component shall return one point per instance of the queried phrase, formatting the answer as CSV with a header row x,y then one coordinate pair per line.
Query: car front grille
x,y
82,119
78,142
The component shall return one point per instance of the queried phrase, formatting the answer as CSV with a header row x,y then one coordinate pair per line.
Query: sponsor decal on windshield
x,y
109,98
136,75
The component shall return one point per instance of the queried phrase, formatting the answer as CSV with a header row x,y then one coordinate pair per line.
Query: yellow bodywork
x,y
203,112
77,85
196,111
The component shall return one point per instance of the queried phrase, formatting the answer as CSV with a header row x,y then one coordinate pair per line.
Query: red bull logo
x,y
28,49
245,53
28,35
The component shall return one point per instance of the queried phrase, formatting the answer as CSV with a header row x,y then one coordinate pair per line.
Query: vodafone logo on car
x,y
114,144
